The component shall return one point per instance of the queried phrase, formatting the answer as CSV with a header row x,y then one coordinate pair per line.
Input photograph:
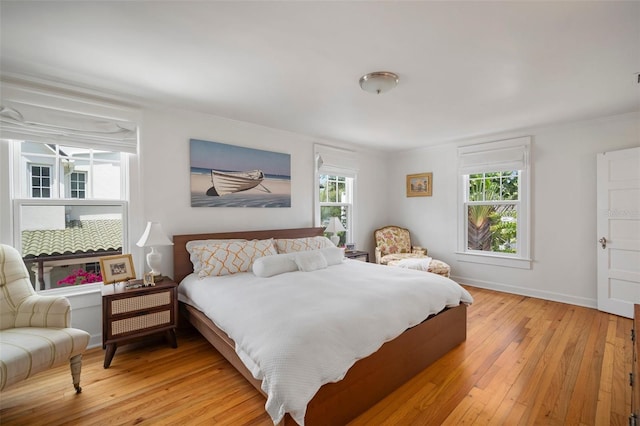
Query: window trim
x,y
351,206
41,187
85,181
511,154
19,202
58,198
76,105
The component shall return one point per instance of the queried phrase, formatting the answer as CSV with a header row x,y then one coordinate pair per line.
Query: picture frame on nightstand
x,y
147,279
350,247
118,268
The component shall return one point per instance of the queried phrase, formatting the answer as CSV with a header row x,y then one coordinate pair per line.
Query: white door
x,y
618,239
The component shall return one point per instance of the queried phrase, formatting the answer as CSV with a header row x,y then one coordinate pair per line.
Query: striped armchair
x,y
34,329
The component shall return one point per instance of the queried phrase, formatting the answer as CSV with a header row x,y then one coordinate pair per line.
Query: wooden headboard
x,y
182,264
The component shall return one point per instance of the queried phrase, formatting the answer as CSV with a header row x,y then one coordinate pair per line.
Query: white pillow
x,y
311,260
292,245
229,258
269,266
198,243
333,255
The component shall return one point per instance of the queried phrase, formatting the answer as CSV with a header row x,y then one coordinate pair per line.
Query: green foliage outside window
x,y
492,223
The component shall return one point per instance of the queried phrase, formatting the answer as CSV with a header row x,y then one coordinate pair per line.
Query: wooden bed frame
x,y
370,379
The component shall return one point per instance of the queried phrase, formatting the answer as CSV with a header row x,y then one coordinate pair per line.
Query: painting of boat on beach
x,y
224,175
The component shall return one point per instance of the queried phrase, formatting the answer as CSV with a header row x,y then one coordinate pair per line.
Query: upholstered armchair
x,y
35,332
393,248
394,243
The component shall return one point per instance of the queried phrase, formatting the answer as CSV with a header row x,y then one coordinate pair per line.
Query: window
x,y
492,210
78,184
336,200
62,237
335,183
67,161
40,181
494,213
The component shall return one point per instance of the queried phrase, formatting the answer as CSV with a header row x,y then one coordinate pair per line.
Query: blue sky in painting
x,y
221,156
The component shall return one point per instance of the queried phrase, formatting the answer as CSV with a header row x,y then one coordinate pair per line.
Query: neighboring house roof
x,y
78,237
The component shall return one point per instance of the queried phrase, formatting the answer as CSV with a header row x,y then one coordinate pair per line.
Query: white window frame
x,y
335,161
20,202
499,156
15,154
86,184
349,205
59,109
30,186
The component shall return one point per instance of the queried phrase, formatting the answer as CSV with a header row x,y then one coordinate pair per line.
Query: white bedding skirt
x,y
300,330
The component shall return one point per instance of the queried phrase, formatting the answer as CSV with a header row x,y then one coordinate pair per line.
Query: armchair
x,y
35,331
394,243
393,246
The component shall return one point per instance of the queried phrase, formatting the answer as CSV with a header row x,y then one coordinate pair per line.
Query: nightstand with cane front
x,y
130,313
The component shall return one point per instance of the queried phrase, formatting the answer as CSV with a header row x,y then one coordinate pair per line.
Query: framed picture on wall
x,y
420,185
224,175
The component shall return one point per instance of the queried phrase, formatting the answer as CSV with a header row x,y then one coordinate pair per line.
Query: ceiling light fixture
x,y
378,82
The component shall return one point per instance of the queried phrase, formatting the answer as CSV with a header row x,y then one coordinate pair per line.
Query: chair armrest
x,y
44,311
419,250
378,255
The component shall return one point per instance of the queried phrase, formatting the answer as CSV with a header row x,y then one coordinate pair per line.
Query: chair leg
x,y
76,365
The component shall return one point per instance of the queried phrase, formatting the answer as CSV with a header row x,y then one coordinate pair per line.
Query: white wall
x,y
563,210
165,184
563,189
160,190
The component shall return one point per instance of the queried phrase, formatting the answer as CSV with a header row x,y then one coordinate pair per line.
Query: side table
x,y
128,314
357,255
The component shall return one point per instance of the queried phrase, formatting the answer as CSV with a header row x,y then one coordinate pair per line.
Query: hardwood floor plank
x,y
525,361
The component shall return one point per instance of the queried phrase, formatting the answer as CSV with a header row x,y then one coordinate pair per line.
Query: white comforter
x,y
299,330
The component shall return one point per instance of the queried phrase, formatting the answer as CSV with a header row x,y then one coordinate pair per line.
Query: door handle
x,y
603,241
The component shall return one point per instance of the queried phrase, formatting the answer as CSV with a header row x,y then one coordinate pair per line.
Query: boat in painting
x,y
230,182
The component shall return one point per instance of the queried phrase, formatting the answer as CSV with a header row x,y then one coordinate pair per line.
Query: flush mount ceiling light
x,y
378,82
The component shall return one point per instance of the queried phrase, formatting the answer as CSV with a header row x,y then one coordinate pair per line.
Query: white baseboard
x,y
522,291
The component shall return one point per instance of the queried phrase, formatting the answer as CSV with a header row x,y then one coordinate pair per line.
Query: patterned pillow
x,y
199,243
302,244
229,258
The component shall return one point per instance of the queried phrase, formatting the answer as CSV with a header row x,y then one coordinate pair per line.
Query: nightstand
x,y
128,314
357,255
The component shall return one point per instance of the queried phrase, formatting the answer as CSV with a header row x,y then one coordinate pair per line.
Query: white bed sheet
x,y
299,330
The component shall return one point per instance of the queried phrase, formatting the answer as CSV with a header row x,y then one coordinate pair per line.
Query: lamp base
x,y
154,260
335,240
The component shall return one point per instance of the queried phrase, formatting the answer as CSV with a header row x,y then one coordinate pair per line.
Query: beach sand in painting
x,y
280,195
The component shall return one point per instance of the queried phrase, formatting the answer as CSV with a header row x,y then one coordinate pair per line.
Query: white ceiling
x,y
466,68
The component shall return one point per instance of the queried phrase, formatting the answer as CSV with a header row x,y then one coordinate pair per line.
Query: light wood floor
x,y
525,361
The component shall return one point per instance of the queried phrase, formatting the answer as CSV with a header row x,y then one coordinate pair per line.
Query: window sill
x,y
495,260
75,290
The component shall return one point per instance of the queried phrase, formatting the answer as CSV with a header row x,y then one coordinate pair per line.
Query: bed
x,y
368,380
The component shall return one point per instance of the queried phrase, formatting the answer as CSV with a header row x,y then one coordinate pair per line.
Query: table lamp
x,y
334,227
153,237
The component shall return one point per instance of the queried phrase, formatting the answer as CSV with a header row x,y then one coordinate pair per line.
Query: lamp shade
x,y
153,236
334,225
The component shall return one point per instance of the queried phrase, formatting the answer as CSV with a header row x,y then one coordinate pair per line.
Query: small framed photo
x,y
419,185
147,279
117,268
350,247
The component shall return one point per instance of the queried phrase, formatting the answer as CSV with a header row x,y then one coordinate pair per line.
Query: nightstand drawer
x,y
132,313
140,322
130,304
